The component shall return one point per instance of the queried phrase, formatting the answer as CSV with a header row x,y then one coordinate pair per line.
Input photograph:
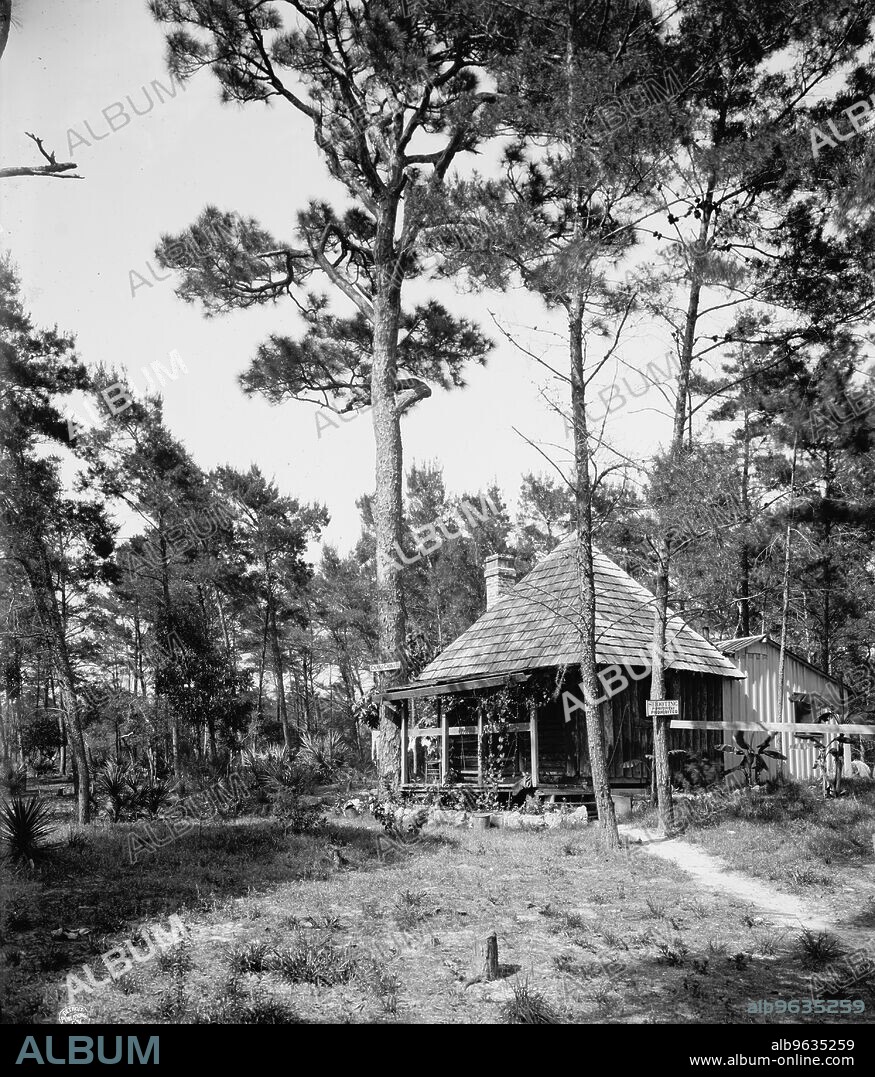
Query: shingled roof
x,y
536,626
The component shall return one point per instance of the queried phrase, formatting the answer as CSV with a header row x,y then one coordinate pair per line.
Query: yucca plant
x,y
25,823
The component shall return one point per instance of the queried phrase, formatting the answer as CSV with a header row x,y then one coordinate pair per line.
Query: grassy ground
x,y
798,840
334,927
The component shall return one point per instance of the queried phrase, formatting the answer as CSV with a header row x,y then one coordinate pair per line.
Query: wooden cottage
x,y
503,700
810,696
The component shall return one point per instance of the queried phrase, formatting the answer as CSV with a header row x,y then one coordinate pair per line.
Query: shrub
x,y
177,960
408,908
24,826
672,954
14,781
296,816
254,957
384,807
266,1011
818,947
314,961
17,916
528,1007
263,1011
51,957
173,1005
655,909
381,983
697,771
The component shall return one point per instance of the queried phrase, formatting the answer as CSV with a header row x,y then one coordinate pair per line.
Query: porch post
x,y
404,710
416,744
846,748
479,747
445,741
533,737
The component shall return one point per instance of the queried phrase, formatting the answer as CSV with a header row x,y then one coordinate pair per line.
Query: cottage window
x,y
802,710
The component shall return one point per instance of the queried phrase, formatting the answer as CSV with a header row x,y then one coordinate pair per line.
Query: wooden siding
x,y
701,700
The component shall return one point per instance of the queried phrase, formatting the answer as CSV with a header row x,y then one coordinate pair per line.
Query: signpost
x,y
663,708
386,667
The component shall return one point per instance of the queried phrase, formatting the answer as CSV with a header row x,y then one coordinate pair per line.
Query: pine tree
x,y
53,540
393,97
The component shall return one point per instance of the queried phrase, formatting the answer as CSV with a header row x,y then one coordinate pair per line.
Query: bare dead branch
x,y
54,168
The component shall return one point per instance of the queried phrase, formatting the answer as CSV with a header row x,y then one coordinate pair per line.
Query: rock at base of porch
x,y
511,820
553,820
444,817
568,820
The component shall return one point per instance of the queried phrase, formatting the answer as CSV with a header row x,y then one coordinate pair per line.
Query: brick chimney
x,y
500,578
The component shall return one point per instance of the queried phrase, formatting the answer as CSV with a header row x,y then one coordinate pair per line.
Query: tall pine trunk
x,y
46,604
661,765
279,672
595,734
12,748
62,746
743,622
785,589
826,637
391,612
168,651
262,661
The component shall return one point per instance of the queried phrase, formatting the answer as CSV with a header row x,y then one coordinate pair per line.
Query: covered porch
x,y
447,740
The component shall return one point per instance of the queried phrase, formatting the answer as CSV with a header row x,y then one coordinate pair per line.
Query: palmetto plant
x,y
324,751
14,780
275,769
753,757
120,788
25,823
154,796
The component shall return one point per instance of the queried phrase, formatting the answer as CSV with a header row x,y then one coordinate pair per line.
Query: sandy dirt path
x,y
715,875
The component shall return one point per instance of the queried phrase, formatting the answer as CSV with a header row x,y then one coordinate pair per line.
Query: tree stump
x,y
489,970
490,958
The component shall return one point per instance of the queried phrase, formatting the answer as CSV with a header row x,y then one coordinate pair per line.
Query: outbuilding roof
x,y
742,643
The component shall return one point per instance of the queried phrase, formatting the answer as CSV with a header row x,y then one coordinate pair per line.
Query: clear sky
x,y
77,241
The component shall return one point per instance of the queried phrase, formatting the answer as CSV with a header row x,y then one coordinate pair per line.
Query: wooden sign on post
x,y
664,708
386,667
